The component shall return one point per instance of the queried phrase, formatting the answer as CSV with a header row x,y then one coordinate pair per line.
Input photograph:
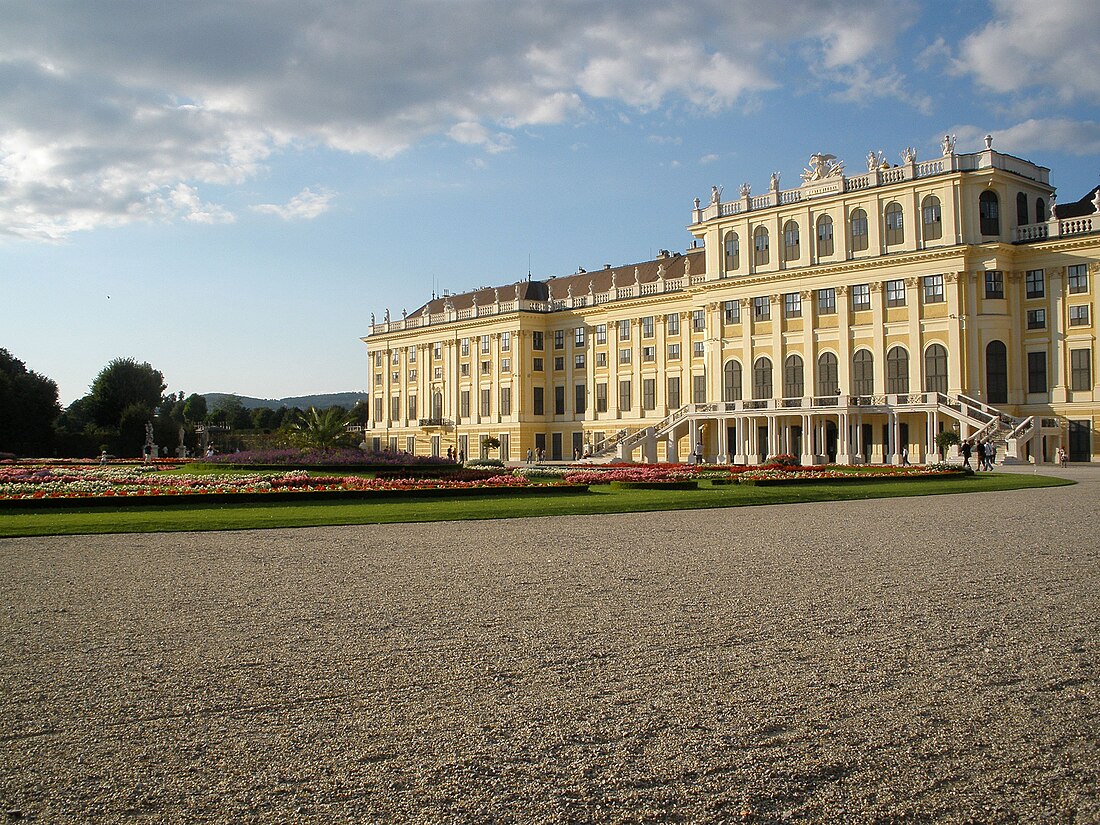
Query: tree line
x,y
124,398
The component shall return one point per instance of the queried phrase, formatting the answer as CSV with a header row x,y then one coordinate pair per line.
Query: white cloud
x,y
705,159
101,124
1037,45
1075,137
306,205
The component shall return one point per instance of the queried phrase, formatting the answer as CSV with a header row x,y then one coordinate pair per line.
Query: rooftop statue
x,y
822,166
715,194
947,145
746,190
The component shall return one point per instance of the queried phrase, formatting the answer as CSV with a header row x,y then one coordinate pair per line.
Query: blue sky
x,y
228,191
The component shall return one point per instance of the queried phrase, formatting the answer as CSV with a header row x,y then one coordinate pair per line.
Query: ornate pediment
x,y
822,166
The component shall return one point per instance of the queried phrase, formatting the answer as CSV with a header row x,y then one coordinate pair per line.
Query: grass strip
x,y
601,499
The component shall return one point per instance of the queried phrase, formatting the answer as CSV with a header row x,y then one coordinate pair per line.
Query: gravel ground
x,y
917,660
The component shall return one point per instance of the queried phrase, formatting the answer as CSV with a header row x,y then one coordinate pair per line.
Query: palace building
x,y
850,319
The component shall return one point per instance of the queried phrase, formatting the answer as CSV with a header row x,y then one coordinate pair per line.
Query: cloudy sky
x,y
228,190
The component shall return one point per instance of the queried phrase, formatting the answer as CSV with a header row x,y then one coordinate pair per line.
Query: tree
x,y
122,384
946,440
322,430
28,408
194,409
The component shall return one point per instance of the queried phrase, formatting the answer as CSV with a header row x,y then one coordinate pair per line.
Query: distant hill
x,y
323,401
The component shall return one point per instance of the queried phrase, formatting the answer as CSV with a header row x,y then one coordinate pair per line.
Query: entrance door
x,y
578,444
796,440
762,443
1080,440
555,446
731,442
830,441
540,443
867,436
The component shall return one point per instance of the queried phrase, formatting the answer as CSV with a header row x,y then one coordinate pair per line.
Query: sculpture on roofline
x,y
715,194
874,160
775,182
746,190
822,166
908,155
947,145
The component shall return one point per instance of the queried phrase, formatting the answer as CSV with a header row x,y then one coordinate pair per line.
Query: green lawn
x,y
193,516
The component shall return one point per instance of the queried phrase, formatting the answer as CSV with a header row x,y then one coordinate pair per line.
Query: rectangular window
x,y
649,353
378,359
731,312
601,398
377,409
505,364
559,400
395,377
484,344
395,407
624,330
1080,369
578,337
1036,319
378,379
559,362
647,326
674,392
1078,279
601,333
578,361
486,367
536,364
1036,372
672,323
437,373
505,400
624,395
933,288
698,320
674,352
649,393
506,341
601,359
485,395
559,339
994,284
412,408
412,355
697,350
761,308
437,350
1034,284
826,301
464,404
895,293
410,444
699,389
412,375
536,340
395,357
861,297
1079,315
792,305
538,404
464,346
624,356
580,402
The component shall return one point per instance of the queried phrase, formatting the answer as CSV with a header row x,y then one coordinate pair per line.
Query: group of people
x,y
455,454
536,454
986,454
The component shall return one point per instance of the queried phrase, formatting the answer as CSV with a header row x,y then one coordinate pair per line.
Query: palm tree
x,y
322,430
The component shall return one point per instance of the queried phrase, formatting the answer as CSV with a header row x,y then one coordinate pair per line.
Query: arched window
x,y
996,372
935,369
931,219
760,246
1021,209
897,371
824,236
858,224
827,381
895,224
762,378
793,385
791,245
731,381
1040,210
863,373
733,251
989,213
437,405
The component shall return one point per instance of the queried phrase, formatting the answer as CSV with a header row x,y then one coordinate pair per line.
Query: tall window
x,y
895,224
624,395
647,326
485,401
731,381
1036,319
863,373
1080,369
858,223
464,402
731,312
624,330
674,392
897,371
649,393
861,297
1040,210
1033,283
895,293
996,372
580,398
1078,280
1021,209
601,333
824,236
412,408
578,337
933,289
793,385
761,308
536,340
989,213
826,301
538,404
994,284
792,305
733,251
699,389
1079,315
931,219
505,400
559,340
559,400
762,378
791,244
760,246
601,397
672,323
828,382
1037,372
935,369
698,320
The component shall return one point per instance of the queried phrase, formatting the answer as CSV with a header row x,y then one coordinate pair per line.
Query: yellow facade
x,y
849,319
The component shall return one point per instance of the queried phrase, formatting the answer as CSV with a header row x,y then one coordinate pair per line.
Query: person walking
x,y
990,455
967,449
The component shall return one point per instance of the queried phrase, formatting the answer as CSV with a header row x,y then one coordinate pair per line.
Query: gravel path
x,y
927,659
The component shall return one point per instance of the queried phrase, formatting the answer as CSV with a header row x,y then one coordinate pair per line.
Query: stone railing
x,y
1056,228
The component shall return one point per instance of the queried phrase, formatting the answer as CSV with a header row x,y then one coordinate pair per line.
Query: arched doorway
x,y
996,372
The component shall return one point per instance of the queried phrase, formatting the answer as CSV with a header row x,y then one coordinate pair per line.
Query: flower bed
x,y
762,477
672,484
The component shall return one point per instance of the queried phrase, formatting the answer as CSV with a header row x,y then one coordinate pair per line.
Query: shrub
x,y
785,460
485,462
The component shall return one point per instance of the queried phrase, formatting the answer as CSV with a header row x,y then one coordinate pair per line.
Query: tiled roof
x,y
1085,206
